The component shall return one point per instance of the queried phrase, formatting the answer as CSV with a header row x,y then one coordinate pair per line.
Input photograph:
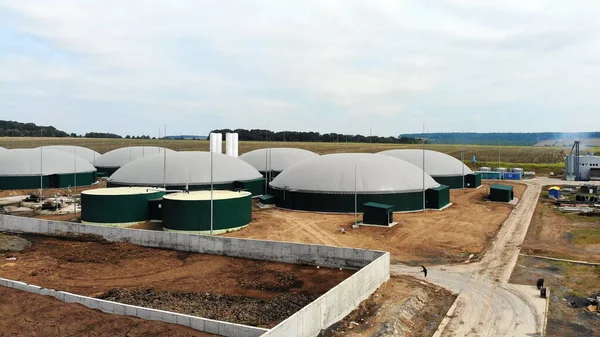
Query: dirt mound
x,y
236,309
13,243
262,278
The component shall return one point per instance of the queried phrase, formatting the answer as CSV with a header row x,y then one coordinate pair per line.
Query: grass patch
x,y
586,236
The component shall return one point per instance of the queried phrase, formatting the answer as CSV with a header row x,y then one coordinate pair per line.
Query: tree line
x,y
17,129
295,136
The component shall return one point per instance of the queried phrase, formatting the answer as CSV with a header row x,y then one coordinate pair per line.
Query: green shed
x,y
378,214
437,197
501,193
473,180
191,212
267,199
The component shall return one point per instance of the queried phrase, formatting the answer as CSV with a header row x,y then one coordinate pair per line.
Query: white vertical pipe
x,y
235,145
74,180
165,163
211,194
424,167
41,162
355,199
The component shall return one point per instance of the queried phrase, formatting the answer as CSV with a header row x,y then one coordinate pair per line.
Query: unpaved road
x,y
487,305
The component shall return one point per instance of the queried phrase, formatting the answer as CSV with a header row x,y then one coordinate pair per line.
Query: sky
x,y
133,66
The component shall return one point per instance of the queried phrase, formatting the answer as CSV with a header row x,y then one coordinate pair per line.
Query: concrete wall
x,y
329,308
336,303
197,323
297,253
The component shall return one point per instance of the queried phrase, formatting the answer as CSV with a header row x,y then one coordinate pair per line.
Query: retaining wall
x,y
329,308
198,323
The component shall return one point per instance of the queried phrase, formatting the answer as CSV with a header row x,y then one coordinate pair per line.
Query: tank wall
x,y
344,203
23,182
195,215
452,181
256,187
83,179
116,208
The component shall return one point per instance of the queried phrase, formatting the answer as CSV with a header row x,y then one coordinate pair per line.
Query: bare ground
x,y
222,286
26,314
567,236
403,306
436,237
563,279
559,235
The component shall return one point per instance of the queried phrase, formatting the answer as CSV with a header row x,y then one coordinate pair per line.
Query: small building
x,y
191,212
501,193
437,197
118,207
473,180
554,192
378,214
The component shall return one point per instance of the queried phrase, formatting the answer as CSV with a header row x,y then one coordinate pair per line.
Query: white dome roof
x,y
122,156
334,173
2,148
26,162
437,164
280,158
83,152
189,167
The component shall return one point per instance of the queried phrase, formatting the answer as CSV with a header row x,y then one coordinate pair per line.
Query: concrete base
x,y
119,225
390,225
215,232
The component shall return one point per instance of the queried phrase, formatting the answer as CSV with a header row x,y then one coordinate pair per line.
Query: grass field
x,y
530,158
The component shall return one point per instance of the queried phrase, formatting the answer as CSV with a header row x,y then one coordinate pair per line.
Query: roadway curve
x,y
486,304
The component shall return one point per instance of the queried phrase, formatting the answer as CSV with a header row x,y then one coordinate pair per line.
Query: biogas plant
x,y
278,241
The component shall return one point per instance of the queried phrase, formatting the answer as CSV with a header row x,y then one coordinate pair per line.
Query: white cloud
x,y
316,65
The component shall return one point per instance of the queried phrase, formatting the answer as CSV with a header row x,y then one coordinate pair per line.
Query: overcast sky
x,y
130,67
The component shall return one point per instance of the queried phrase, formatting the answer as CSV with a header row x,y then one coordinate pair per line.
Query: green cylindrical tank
x,y
120,206
190,212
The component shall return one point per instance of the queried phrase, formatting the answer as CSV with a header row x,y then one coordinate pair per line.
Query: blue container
x,y
511,176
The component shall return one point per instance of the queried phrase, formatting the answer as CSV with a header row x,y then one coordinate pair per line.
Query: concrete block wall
x,y
336,303
374,269
287,252
197,323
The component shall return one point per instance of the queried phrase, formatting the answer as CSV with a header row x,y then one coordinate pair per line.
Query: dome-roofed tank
x,y
276,160
442,167
111,161
328,183
87,154
191,169
23,169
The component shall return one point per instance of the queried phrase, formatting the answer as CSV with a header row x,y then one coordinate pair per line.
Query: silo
x,y
118,207
191,212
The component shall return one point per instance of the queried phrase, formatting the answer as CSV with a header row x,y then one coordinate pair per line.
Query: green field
x,y
538,159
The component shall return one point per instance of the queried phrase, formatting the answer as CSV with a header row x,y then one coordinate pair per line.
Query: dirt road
x,y
487,305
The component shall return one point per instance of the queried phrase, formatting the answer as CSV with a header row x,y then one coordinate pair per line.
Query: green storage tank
x,y
501,193
190,212
119,207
